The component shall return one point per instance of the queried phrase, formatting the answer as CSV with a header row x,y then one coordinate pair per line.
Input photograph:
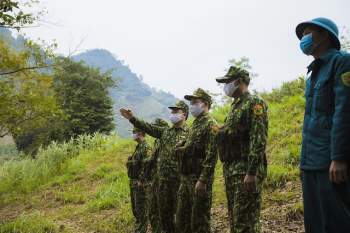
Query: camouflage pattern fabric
x,y
243,206
167,168
153,207
199,93
193,210
138,206
197,158
246,125
152,194
138,189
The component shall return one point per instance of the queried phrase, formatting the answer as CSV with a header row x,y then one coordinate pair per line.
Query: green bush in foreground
x,y
26,175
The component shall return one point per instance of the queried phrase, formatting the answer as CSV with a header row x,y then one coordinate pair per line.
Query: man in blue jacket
x,y
325,152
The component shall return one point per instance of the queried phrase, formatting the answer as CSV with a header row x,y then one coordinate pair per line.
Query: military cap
x,y
233,74
201,94
180,105
160,122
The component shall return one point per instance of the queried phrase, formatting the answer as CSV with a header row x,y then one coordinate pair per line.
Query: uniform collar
x,y
323,59
241,98
183,127
200,117
141,143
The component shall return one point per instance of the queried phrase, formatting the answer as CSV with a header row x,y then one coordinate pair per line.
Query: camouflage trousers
x,y
167,199
152,205
138,205
193,211
243,206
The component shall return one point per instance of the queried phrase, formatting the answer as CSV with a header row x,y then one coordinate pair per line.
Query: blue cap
x,y
323,23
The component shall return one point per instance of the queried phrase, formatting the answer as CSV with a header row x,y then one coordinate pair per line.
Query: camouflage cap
x,y
233,74
180,105
160,122
201,94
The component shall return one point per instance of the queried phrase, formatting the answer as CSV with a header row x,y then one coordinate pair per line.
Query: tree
x,y
12,14
82,93
26,97
345,40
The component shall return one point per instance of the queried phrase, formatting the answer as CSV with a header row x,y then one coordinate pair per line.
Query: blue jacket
x,y
326,130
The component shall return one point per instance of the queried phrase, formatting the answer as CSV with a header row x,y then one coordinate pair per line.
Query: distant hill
x,y
148,103
130,90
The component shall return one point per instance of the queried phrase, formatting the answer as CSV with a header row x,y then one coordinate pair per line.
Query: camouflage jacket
x,y
199,153
247,120
151,162
167,164
136,162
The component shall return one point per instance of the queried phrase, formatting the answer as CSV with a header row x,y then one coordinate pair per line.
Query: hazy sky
x,y
180,45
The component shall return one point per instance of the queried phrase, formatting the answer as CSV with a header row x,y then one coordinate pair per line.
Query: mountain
x,y
130,91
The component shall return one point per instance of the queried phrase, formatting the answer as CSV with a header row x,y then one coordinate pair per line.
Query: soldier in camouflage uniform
x,y
197,160
135,166
152,176
241,146
167,165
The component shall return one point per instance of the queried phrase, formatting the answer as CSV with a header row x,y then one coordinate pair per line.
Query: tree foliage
x,y
82,93
64,100
13,15
26,98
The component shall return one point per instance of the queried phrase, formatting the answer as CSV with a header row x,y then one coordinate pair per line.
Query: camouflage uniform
x,y
135,167
241,144
152,176
167,166
197,160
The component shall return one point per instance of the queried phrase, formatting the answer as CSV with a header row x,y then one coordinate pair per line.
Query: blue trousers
x,y
326,205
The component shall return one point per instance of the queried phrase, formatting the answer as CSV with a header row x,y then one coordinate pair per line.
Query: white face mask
x,y
230,88
176,117
196,109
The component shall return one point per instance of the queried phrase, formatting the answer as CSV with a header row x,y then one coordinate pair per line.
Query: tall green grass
x,y
28,174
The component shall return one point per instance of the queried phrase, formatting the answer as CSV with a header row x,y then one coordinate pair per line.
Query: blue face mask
x,y
306,44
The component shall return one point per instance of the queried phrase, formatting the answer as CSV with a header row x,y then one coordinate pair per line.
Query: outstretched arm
x,y
150,129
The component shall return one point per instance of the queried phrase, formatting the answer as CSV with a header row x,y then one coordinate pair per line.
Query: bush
x,y
28,174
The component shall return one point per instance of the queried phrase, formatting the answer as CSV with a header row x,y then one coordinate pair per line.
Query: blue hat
x,y
323,23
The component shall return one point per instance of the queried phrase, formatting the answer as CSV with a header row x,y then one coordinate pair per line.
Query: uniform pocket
x,y
324,97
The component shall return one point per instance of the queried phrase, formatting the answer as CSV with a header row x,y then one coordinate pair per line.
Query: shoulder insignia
x,y
215,129
258,110
345,77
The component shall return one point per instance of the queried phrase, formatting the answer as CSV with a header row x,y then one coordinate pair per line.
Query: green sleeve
x,y
150,129
211,155
257,135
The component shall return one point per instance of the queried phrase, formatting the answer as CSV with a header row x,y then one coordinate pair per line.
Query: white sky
x,y
180,45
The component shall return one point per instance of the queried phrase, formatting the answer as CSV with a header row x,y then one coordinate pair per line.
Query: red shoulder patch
x,y
258,110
